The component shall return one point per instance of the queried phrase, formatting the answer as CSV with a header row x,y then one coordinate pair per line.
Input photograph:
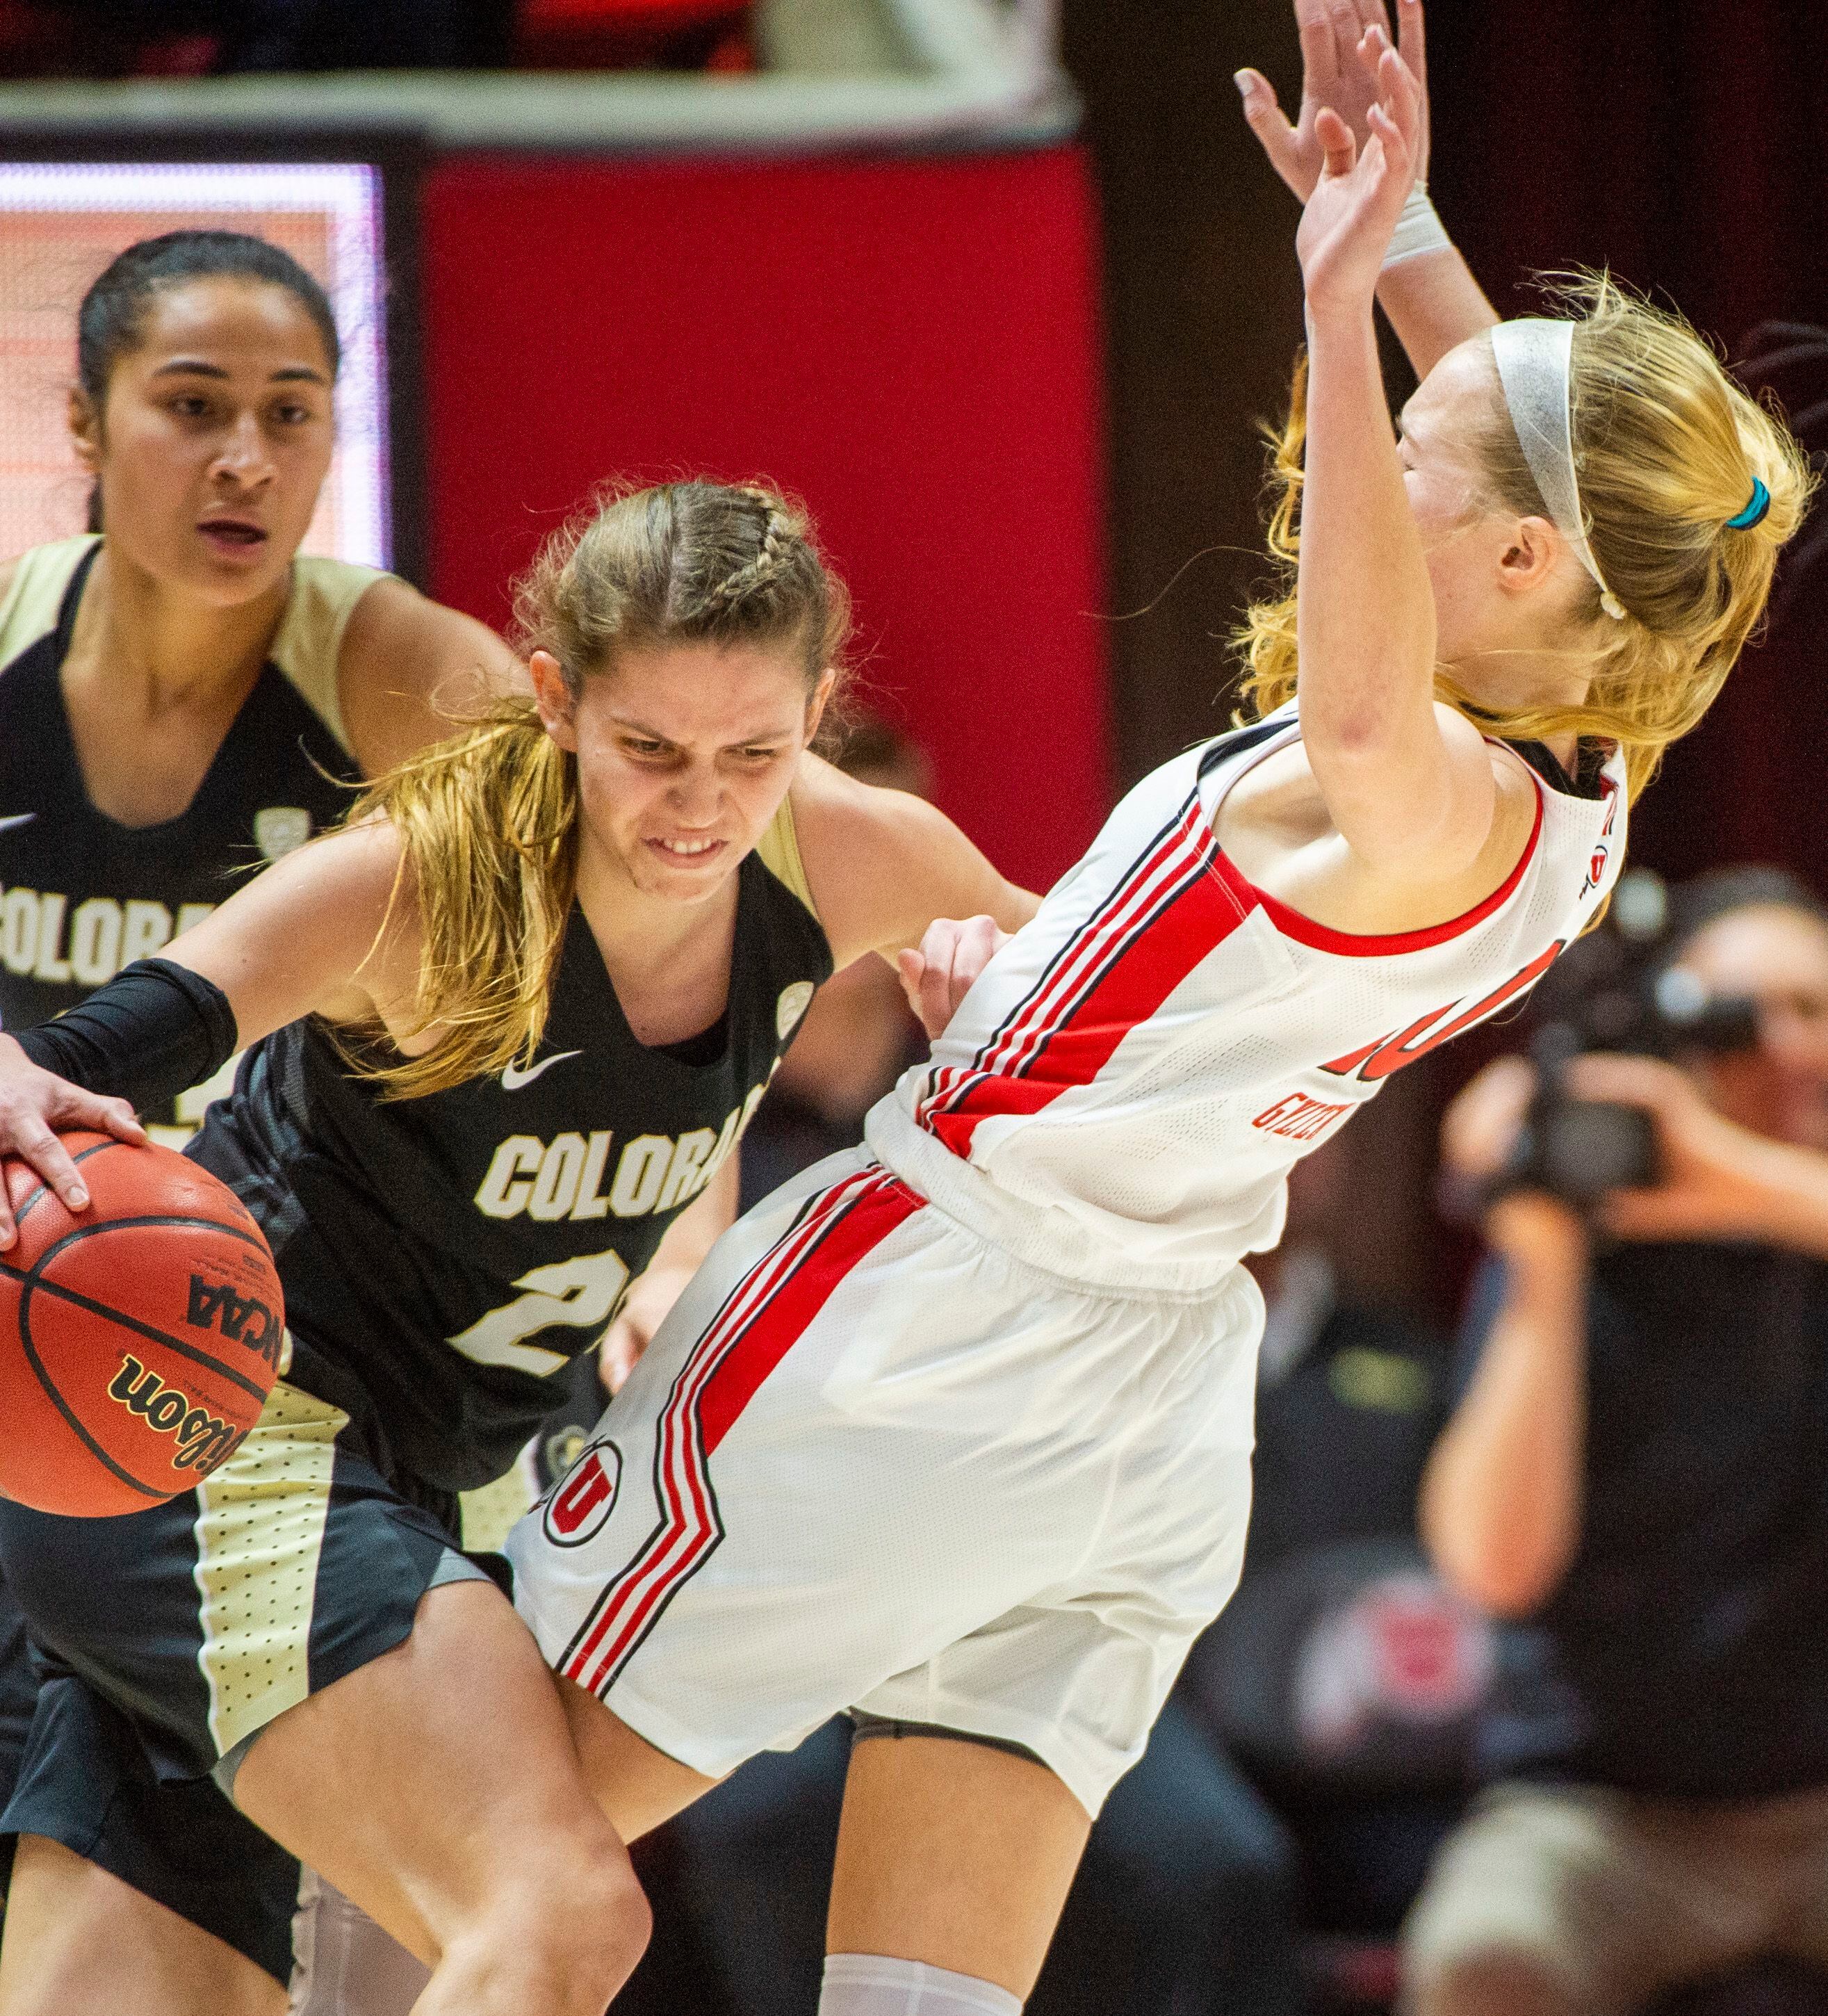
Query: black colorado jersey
x,y
81,896
442,1257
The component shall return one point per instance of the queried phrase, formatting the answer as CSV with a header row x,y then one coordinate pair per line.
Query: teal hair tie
x,y
1754,513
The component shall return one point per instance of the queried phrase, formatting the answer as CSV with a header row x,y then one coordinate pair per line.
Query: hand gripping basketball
x,y
139,1338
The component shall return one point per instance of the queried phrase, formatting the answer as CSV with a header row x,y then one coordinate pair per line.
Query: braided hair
x,y
681,563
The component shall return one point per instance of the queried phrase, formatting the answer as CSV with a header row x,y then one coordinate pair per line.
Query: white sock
x,y
872,1985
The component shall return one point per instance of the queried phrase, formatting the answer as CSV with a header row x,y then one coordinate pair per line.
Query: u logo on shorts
x,y
585,1496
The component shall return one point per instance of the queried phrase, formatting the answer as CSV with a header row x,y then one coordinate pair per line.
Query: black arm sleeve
x,y
154,1031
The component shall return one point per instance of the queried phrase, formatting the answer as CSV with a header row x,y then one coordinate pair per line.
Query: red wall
x,y
910,345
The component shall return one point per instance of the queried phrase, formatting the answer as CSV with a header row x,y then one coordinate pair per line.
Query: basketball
x,y
138,1338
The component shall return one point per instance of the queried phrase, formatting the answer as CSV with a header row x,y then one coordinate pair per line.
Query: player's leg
x,y
438,1788
344,1964
956,1855
68,1924
348,1966
162,1891
953,1855
637,1785
873,1461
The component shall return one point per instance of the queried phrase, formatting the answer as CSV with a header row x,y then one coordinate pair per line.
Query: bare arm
x,y
1503,1494
1501,1497
683,1250
305,937
300,938
1408,785
408,668
883,865
1434,304
1432,300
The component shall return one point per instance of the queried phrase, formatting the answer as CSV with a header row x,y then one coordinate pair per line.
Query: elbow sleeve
x,y
152,1032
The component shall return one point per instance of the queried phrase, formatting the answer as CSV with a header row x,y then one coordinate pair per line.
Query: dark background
x,y
1683,142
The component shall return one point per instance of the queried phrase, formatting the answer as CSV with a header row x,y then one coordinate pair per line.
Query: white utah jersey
x,y
1120,1097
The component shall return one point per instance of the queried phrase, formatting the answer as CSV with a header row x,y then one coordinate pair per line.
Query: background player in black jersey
x,y
182,694
544,977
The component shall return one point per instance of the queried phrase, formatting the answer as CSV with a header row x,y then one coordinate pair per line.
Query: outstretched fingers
x,y
1412,41
30,1133
1341,150
34,1144
1346,26
1320,50
1376,48
1400,96
104,1116
1266,119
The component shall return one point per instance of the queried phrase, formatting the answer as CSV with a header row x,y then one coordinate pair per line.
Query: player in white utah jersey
x,y
1136,1073
955,1431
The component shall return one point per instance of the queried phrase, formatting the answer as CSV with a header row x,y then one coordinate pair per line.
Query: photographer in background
x,y
1636,1477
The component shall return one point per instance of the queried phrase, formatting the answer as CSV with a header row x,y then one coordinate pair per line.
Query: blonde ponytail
x,y
1668,450
488,824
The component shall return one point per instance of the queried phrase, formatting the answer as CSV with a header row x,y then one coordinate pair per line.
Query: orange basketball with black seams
x,y
139,1338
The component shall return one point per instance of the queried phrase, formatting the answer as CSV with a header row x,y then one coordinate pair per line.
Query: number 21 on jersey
x,y
578,1294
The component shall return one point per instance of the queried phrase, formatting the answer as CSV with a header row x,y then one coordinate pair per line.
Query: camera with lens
x,y
1616,989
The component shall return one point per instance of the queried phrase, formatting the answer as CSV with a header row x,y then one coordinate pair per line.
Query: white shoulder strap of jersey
x,y
779,848
309,642
35,594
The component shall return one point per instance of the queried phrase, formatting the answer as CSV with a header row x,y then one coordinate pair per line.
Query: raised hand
x,y
1340,57
1346,229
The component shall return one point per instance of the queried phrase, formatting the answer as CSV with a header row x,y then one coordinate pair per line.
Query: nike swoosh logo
x,y
513,1077
16,818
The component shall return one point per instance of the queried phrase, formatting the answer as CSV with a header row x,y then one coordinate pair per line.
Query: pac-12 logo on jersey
x,y
280,830
585,1496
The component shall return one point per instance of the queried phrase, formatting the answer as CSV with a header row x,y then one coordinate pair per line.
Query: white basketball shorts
x,y
872,1461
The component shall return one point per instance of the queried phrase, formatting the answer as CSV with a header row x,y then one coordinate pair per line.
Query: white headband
x,y
1534,366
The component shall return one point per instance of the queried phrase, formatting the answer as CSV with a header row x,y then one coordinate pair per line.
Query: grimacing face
x,y
1778,957
214,437
684,753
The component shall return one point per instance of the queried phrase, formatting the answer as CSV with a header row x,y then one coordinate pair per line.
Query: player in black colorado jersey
x,y
505,1027
179,699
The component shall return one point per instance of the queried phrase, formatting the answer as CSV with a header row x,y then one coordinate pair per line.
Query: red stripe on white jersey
x,y
1168,856
764,1315
1171,913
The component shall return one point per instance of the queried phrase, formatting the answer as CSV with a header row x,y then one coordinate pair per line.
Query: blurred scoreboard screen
x,y
61,223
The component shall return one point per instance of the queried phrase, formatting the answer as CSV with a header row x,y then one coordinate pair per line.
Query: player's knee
x,y
561,1937
598,1918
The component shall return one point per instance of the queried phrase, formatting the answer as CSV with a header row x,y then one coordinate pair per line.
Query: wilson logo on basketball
x,y
242,1319
203,1438
585,1497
